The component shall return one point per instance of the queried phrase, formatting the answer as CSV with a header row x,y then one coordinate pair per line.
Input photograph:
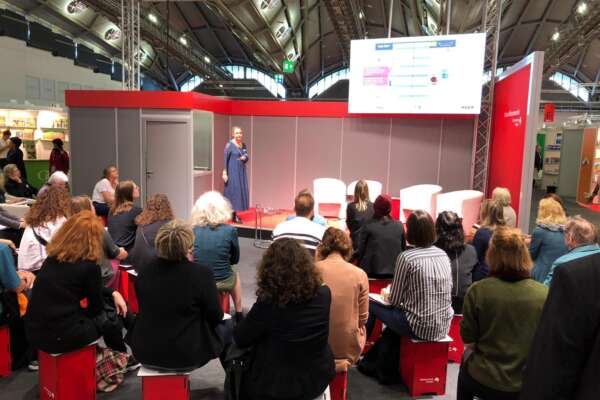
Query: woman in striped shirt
x,y
420,294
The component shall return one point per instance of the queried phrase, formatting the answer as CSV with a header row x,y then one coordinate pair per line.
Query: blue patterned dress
x,y
236,188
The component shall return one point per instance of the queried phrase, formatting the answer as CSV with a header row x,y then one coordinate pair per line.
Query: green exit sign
x,y
288,66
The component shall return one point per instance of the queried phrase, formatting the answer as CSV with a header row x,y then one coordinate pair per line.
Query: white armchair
x,y
330,197
465,203
418,197
375,189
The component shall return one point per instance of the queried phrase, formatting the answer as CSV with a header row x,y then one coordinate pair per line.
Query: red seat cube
x,y
375,286
456,347
164,386
423,366
5,356
339,386
68,376
224,300
127,288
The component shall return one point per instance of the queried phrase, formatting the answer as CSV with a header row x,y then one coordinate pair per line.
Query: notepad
x,y
378,299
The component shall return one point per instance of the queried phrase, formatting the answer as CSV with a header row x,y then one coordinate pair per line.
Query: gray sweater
x,y
8,220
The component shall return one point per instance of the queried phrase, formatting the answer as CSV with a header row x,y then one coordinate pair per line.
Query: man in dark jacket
x,y
565,355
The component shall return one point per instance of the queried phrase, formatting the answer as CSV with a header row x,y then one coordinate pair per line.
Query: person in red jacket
x,y
59,158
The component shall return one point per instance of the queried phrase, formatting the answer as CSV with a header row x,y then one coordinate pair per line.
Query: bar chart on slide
x,y
430,75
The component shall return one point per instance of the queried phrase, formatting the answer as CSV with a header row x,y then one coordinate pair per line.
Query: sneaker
x,y
132,364
33,366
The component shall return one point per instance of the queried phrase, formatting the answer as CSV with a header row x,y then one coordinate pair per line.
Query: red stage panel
x,y
511,96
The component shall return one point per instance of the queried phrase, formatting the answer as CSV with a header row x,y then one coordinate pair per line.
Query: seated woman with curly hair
x,y
288,327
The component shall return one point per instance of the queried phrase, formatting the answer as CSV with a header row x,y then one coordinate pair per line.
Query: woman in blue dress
x,y
234,173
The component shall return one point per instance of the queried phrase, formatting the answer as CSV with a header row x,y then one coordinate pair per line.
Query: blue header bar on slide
x,y
420,44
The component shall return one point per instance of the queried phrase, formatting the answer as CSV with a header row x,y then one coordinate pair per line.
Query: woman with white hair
x,y
216,244
502,196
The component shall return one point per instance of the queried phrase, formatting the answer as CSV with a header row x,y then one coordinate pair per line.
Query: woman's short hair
x,y
335,241
158,208
450,233
581,231
492,214
106,171
211,209
361,195
58,142
52,204
502,196
123,197
420,230
508,256
287,274
78,239
550,212
174,241
556,198
10,169
81,203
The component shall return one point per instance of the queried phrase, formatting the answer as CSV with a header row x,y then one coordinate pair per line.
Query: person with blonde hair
x,y
502,196
157,212
179,326
581,238
349,287
359,211
43,220
15,185
500,317
234,172
548,238
216,244
491,217
56,323
104,191
121,219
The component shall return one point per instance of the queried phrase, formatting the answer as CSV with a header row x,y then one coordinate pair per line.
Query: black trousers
x,y
102,209
468,388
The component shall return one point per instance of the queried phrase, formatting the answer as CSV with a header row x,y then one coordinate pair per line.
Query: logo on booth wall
x,y
515,116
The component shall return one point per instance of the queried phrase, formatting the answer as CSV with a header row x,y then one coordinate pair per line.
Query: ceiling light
x,y
112,34
361,15
556,36
220,85
206,59
183,41
76,7
582,7
152,18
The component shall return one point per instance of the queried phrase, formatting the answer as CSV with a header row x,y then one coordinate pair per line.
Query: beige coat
x,y
349,308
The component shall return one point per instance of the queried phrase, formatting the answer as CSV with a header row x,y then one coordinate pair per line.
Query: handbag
x,y
237,362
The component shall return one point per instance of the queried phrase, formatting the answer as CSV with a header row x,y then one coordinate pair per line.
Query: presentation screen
x,y
417,75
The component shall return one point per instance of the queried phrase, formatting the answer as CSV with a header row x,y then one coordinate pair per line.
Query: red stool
x,y
5,356
457,347
339,386
423,366
224,300
395,208
127,287
68,376
375,286
164,386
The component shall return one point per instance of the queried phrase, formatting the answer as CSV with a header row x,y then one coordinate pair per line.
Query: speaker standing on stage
x,y
234,173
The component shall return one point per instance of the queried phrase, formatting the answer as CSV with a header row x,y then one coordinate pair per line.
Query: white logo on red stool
x,y
430,380
49,392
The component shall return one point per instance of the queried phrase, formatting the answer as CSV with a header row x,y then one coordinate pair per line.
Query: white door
x,y
169,163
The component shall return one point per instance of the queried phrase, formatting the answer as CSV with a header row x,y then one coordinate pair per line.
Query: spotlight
x,y
76,7
361,15
206,59
152,18
582,8
556,36
112,34
183,41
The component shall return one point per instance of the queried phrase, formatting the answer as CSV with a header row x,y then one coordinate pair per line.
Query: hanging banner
x,y
549,109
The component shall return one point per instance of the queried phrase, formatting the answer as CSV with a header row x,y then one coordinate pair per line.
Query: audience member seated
x,y
349,287
288,327
104,191
548,238
121,219
502,196
564,358
556,198
581,238
500,316
11,227
15,185
156,213
110,250
216,244
381,240
56,322
302,228
15,156
420,292
492,217
58,179
180,325
12,283
463,257
44,219
359,212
